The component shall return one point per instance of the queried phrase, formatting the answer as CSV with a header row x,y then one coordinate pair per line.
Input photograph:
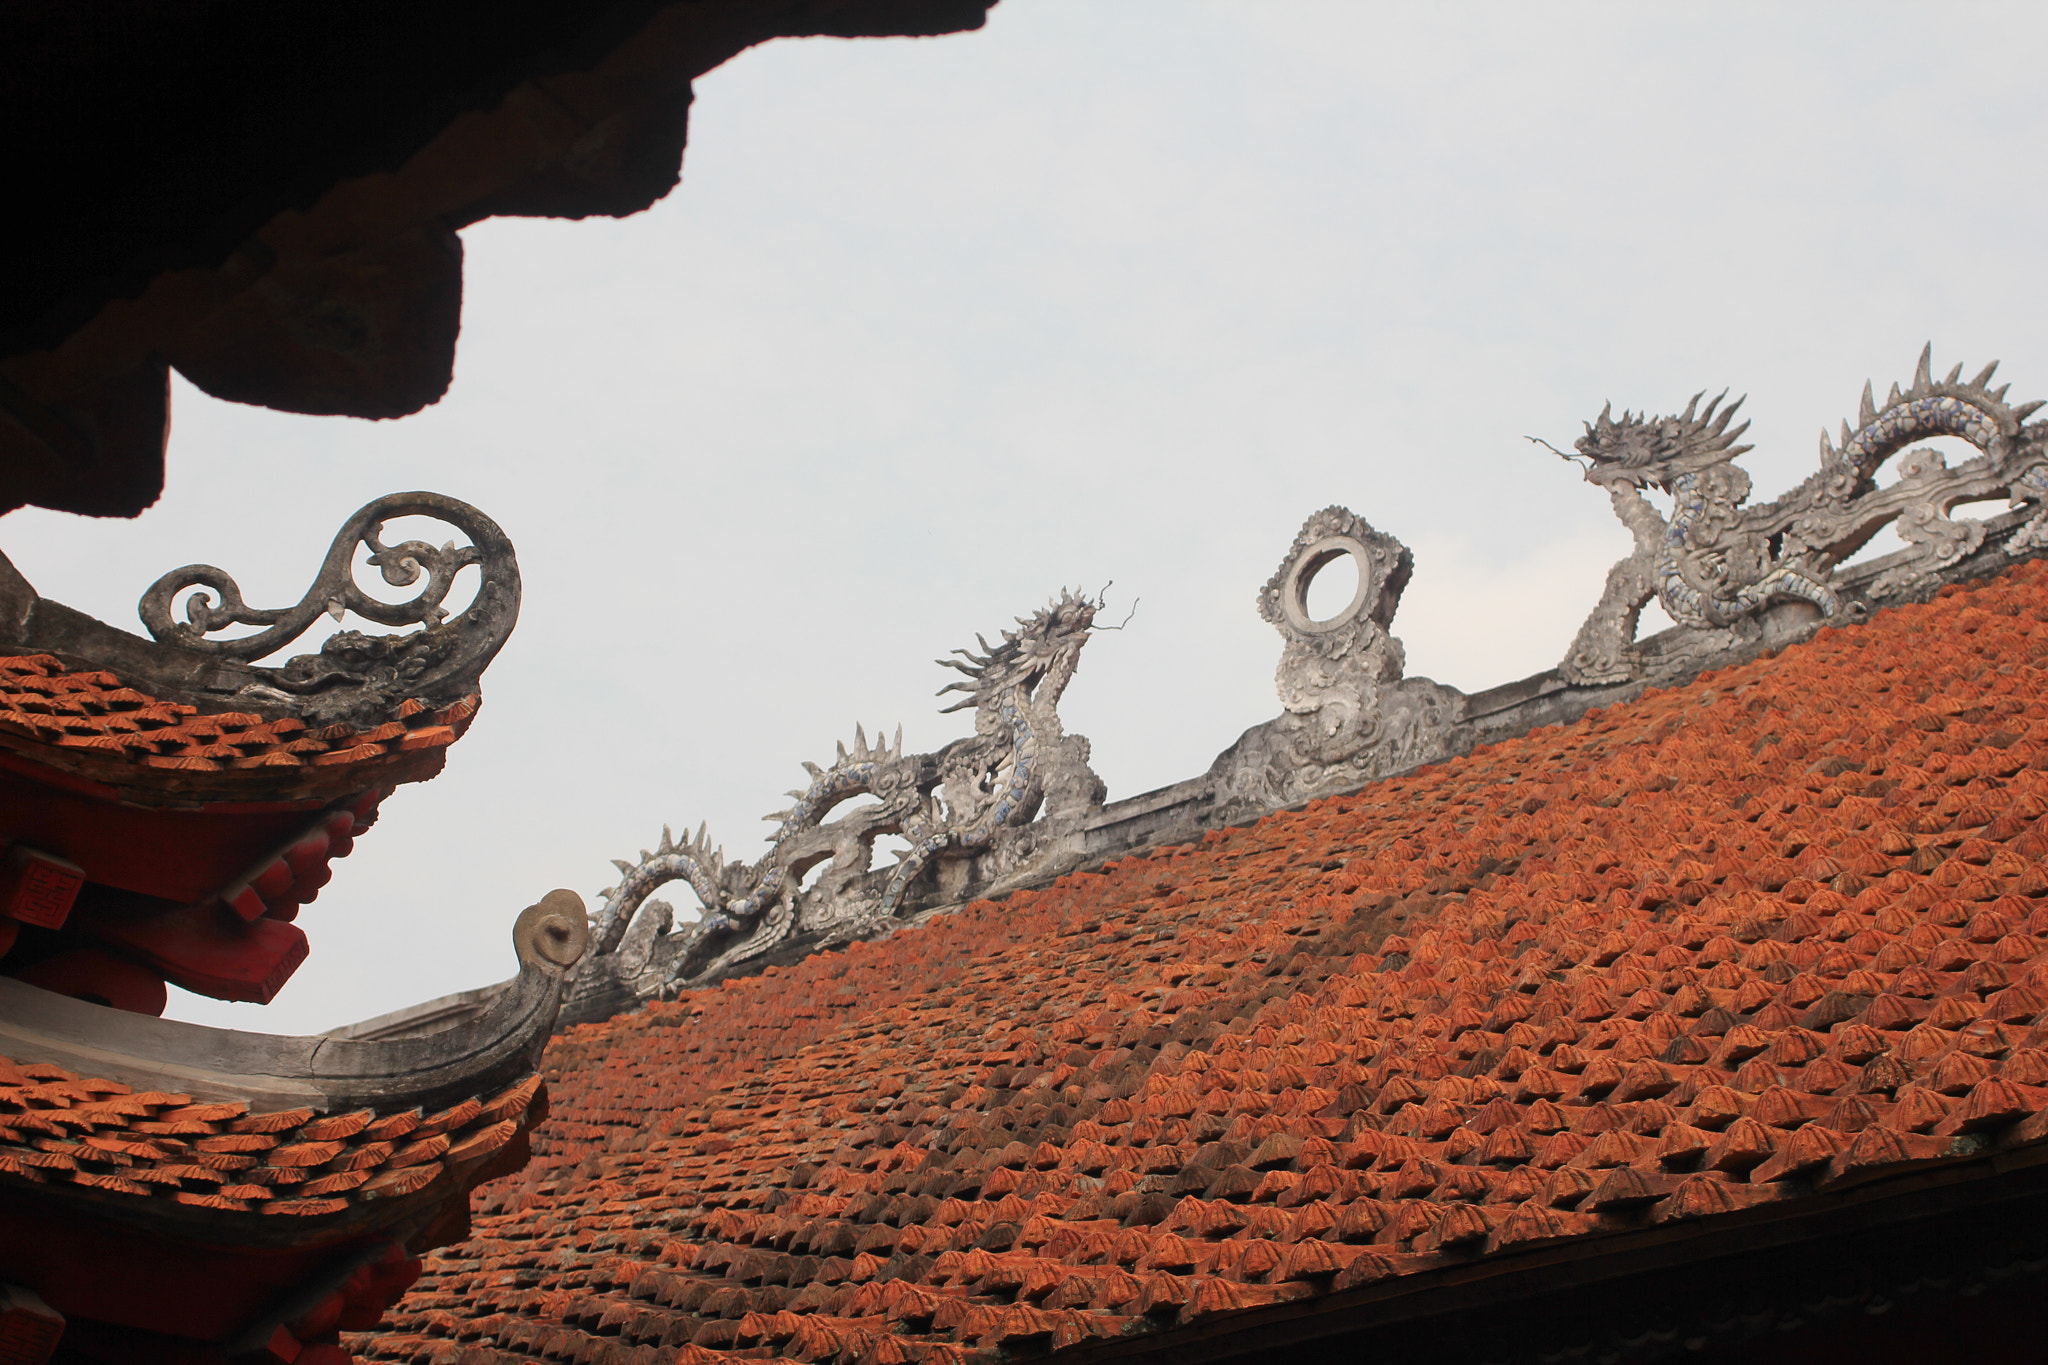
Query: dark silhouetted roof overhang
x,y
265,198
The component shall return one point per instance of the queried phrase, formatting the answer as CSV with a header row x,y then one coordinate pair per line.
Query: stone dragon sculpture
x,y
1716,563
962,798
1016,803
1020,755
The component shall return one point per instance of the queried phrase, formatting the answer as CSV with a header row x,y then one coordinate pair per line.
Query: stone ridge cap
x,y
1716,954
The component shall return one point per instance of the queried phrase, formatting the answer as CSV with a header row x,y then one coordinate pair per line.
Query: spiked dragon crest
x,y
1043,648
1640,449
994,780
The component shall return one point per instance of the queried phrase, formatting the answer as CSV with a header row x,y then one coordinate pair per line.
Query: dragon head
x,y
1639,449
1040,654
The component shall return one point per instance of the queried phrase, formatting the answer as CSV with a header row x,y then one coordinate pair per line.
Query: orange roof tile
x,y
90,724
58,1128
1758,938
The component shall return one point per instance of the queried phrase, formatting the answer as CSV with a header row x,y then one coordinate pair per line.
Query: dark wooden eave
x,y
266,198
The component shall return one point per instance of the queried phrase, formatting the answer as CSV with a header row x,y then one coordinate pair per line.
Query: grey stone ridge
x,y
1015,804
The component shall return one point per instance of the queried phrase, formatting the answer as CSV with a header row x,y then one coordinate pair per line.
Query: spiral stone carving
x,y
355,674
553,934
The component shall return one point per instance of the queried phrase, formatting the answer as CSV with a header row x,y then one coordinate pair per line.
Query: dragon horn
x,y
622,865
1827,447
1847,435
1997,395
1953,375
814,770
842,750
1923,373
668,840
1718,425
1866,413
1984,375
2026,410
899,738
1694,402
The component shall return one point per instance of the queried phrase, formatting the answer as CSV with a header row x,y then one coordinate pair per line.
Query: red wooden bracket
x,y
278,882
29,1328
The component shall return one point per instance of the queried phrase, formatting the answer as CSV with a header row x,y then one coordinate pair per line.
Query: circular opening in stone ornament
x,y
1311,562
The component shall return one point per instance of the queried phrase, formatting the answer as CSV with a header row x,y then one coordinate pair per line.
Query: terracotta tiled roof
x,y
98,726
58,1128
1754,939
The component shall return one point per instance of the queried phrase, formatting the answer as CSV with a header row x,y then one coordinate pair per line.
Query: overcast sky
x,y
1106,291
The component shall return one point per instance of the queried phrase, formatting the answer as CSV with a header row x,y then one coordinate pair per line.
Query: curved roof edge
x,y
322,1071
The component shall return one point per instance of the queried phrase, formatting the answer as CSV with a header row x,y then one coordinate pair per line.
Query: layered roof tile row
x,y
1755,939
58,1128
45,703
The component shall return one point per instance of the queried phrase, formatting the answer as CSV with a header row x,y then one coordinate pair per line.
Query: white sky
x,y
1105,291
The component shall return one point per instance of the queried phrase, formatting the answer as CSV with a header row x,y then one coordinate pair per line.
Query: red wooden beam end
x,y
207,949
29,1328
38,888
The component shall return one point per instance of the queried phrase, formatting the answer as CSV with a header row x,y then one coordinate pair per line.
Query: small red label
x,y
41,889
